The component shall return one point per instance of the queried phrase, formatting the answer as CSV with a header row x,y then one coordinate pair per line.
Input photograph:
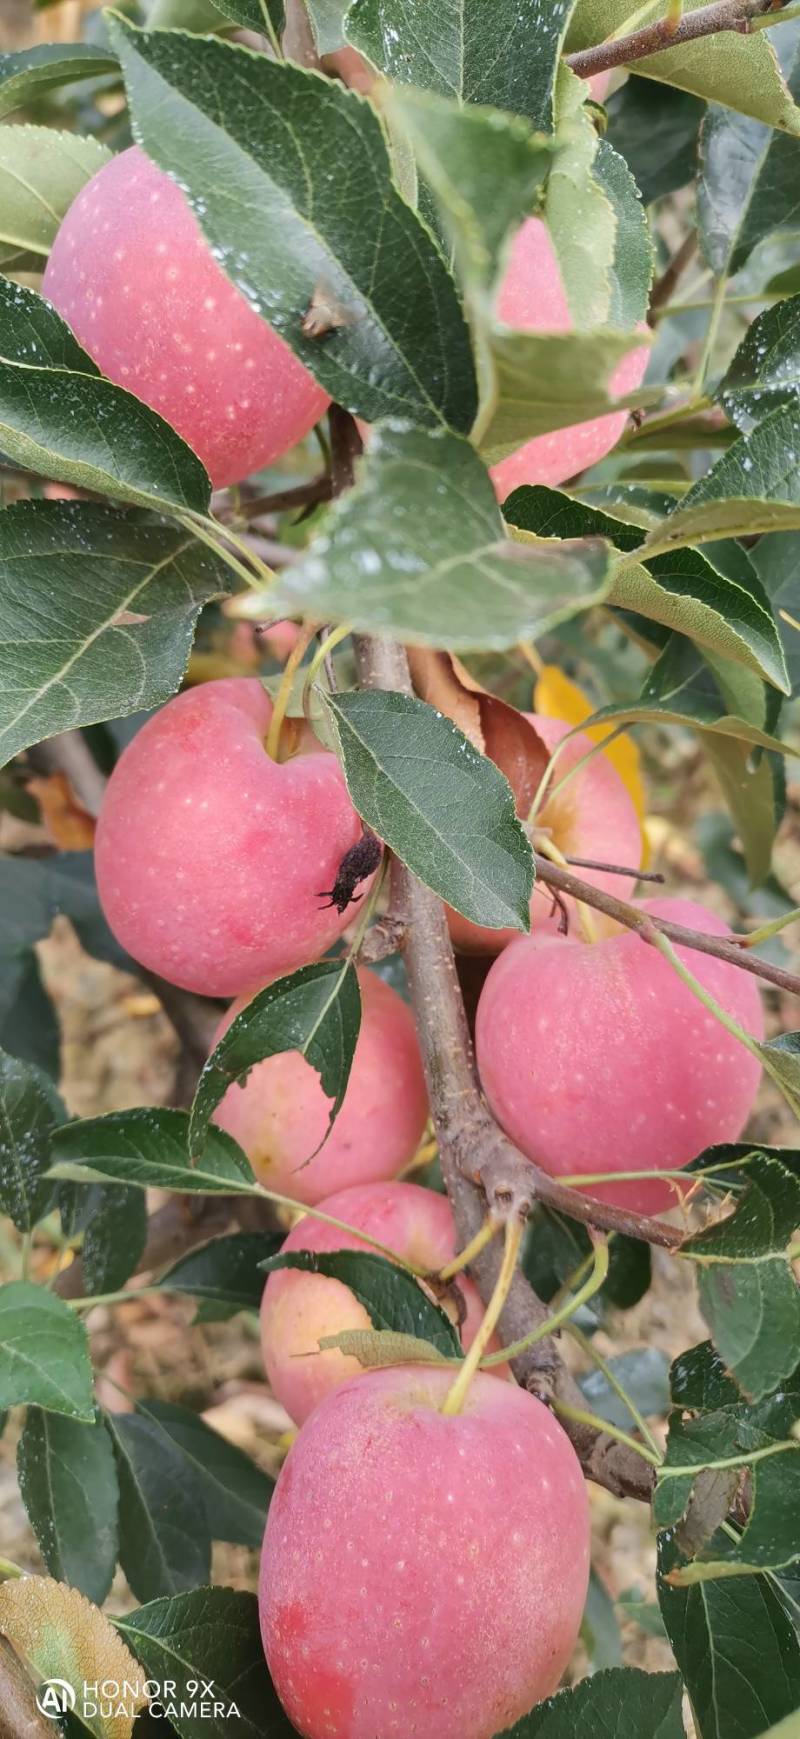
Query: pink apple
x,y
593,816
211,857
596,1057
280,1115
299,1309
133,275
533,299
423,1574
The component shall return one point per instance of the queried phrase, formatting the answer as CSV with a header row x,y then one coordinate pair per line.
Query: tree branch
x,y
655,38
672,273
479,1164
728,948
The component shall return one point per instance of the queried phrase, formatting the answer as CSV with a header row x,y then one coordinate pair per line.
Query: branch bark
x,y
724,15
479,1164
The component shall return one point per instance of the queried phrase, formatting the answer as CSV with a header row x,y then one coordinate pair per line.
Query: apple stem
x,y
487,1232
569,1308
456,1396
320,657
585,919
546,791
754,938
284,694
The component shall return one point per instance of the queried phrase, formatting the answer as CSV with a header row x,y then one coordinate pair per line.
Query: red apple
x,y
532,298
423,1574
133,275
280,1114
211,857
299,1309
596,1057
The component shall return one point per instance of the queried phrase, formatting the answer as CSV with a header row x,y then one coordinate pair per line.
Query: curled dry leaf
x,y
69,825
495,728
58,1634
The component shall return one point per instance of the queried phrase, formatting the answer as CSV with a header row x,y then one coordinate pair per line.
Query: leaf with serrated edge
x,y
32,72
64,421
60,1635
316,1011
578,212
748,182
613,1704
765,372
130,593
418,549
68,1483
164,1541
236,131
212,1634
150,1147
30,1109
225,1271
457,831
44,1353
235,1490
41,172
753,488
393,1299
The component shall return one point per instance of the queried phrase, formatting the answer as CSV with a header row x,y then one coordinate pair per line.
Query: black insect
x,y
359,862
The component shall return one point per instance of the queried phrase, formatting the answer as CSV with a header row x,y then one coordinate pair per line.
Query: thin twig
x,y
728,948
284,500
654,38
673,272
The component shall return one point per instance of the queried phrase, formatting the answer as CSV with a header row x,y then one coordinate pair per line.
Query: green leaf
x,y
30,1109
483,167
736,1648
392,1298
699,1381
632,264
765,372
656,131
542,381
681,589
459,831
264,16
615,1704
776,560
505,54
681,690
316,1011
748,182
740,71
68,1482
225,1273
41,172
237,130
164,1543
556,1246
236,1493
30,74
211,1634
59,418
131,591
753,488
762,1224
149,1147
44,1354
32,892
599,1626
418,549
577,210
115,1218
643,1374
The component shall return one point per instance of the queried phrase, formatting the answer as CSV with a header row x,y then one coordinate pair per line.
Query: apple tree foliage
x,y
667,580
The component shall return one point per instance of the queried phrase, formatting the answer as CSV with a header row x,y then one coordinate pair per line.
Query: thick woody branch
x,y
479,1164
654,38
734,951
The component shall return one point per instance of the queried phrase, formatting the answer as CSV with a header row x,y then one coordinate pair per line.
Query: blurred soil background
x,y
119,1049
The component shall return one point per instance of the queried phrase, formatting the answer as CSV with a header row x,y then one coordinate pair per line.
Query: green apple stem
x,y
546,790
563,1314
488,1231
10,1572
581,1416
754,938
284,693
456,1396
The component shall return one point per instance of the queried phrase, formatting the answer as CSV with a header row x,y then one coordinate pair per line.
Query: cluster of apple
x,y
424,1572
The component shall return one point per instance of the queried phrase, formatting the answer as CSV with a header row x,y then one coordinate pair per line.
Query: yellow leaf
x,y
558,697
60,1636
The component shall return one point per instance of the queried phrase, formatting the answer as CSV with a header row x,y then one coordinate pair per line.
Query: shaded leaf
x,y
393,1299
68,1482
748,181
211,1634
776,560
225,1273
30,1109
130,592
235,128
418,549
235,1492
149,1147
41,172
753,488
164,1542
115,1218
459,831
599,1627
642,1373
60,419
44,1353
32,72
316,1011
632,264
765,372
656,131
